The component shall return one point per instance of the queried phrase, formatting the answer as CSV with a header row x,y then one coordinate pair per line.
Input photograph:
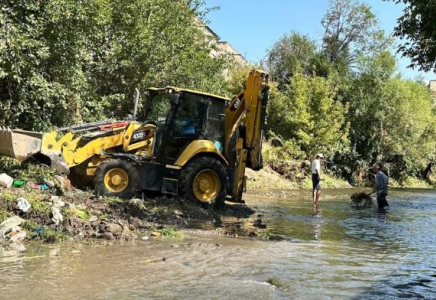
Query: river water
x,y
336,253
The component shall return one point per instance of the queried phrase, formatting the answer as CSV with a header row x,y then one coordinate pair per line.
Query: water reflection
x,y
316,223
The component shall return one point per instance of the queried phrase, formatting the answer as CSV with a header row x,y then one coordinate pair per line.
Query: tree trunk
x,y
426,173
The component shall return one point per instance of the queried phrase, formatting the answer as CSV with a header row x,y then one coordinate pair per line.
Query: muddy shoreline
x,y
84,217
57,212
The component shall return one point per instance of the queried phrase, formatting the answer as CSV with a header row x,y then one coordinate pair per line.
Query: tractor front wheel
x,y
117,178
204,180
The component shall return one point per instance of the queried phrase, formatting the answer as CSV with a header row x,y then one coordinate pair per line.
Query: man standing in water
x,y
381,185
316,178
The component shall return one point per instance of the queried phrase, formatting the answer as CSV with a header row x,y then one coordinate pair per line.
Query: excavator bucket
x,y
19,144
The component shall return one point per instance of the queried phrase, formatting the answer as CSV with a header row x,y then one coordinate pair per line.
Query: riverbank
x,y
45,206
80,215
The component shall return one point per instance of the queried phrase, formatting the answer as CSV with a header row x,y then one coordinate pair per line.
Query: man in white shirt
x,y
316,178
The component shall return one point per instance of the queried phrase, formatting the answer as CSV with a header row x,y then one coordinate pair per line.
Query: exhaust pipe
x,y
135,103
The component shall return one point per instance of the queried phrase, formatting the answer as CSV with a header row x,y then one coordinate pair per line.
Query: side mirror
x,y
175,99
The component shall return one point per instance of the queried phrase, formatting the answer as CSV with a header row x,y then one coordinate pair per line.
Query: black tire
x,y
189,173
78,180
129,190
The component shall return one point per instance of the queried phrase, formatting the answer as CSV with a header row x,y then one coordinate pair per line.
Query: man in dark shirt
x,y
381,185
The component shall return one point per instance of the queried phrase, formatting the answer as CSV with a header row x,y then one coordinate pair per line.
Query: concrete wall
x,y
432,86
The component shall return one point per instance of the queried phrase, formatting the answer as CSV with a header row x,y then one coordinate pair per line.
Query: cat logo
x,y
237,102
138,135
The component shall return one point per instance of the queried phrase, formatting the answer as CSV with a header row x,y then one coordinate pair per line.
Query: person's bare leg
x,y
318,195
314,197
315,210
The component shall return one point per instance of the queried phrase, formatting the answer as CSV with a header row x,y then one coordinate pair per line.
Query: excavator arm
x,y
244,148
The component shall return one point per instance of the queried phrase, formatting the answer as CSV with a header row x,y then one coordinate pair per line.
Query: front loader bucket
x,y
19,144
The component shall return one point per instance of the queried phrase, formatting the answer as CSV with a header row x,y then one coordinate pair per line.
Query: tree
x,y
417,27
307,114
289,53
391,119
350,30
68,61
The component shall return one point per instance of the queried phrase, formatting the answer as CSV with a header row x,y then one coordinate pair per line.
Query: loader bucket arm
x,y
251,102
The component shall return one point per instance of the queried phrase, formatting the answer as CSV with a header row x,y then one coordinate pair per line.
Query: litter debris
x,y
50,183
57,203
145,238
8,224
33,185
57,217
156,233
44,187
23,204
18,183
80,213
6,180
16,235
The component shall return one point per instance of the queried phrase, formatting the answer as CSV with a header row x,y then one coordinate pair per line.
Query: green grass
x,y
44,233
40,206
9,165
4,214
113,200
171,233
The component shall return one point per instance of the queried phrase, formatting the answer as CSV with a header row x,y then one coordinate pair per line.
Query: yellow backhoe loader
x,y
193,144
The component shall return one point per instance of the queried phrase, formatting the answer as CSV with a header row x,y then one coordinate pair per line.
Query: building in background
x,y
222,47
432,87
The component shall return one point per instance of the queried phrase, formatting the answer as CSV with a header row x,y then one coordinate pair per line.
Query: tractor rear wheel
x,y
117,178
204,181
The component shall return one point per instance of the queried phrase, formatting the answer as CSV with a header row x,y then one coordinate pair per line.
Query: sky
x,y
253,26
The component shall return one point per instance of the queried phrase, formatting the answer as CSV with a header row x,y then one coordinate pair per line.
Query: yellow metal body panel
x,y
128,134
247,103
241,162
197,147
93,164
75,155
177,89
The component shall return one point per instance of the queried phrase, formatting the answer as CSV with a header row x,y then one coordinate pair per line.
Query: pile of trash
x,y
38,203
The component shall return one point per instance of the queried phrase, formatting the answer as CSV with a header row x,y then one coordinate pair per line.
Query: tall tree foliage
x,y
392,120
66,61
344,97
417,27
351,29
306,113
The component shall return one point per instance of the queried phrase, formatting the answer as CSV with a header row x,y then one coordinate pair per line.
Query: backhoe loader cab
x,y
184,116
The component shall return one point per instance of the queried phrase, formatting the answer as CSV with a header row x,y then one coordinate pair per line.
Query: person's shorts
x,y
315,182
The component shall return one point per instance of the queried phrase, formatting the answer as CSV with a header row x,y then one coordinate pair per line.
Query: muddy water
x,y
335,253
